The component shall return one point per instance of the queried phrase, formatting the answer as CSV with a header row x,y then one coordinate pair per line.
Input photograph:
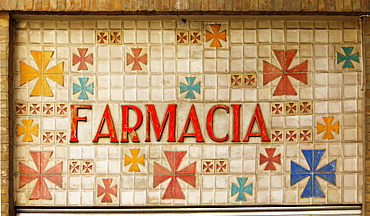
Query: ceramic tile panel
x,y
166,113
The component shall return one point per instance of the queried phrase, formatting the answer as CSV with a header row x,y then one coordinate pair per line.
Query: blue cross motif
x,y
83,88
190,87
241,189
347,57
298,173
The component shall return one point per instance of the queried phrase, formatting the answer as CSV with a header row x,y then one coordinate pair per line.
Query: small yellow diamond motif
x,y
29,73
27,130
134,160
328,127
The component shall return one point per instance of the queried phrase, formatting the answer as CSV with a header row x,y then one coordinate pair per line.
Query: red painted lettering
x,y
170,116
236,122
125,123
107,117
209,123
257,117
75,119
194,120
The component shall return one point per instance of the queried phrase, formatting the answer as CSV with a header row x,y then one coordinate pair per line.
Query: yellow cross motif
x,y
134,160
29,73
328,127
28,130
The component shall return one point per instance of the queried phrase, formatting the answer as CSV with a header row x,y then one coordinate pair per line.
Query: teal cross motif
x,y
347,57
241,189
190,87
83,88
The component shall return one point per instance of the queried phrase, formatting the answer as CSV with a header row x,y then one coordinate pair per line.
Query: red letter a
x,y
257,116
194,120
111,132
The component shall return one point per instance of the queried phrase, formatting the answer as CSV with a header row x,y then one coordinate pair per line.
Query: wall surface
x,y
241,64
191,6
257,113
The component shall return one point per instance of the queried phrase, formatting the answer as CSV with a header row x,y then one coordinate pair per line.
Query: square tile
x,y
216,35
107,190
250,80
277,136
87,167
62,109
195,37
277,109
221,166
236,80
102,37
34,108
48,109
291,135
305,135
21,108
61,137
74,167
291,108
305,107
208,166
115,37
48,137
182,37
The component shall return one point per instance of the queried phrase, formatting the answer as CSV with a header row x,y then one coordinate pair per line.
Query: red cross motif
x,y
277,136
61,137
221,166
136,59
216,35
35,109
270,72
107,190
102,37
115,37
236,80
182,37
20,108
74,167
305,107
87,167
48,109
47,137
208,166
161,174
291,108
82,59
62,109
277,108
291,136
195,37
270,159
250,80
305,135
27,174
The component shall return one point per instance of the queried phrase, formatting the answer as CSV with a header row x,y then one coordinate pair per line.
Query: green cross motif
x,y
83,88
347,57
241,189
190,87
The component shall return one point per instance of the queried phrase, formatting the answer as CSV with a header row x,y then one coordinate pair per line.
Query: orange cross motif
x,y
216,35
29,73
134,160
328,127
28,130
